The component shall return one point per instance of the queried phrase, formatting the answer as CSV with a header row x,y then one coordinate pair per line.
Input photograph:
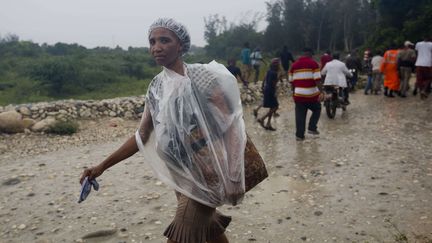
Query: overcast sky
x,y
94,23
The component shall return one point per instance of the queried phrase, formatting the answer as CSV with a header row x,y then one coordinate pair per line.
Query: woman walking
x,y
270,100
193,136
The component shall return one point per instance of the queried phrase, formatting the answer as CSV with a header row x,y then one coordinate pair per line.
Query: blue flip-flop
x,y
86,188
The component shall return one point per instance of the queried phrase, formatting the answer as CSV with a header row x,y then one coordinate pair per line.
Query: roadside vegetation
x,y
32,72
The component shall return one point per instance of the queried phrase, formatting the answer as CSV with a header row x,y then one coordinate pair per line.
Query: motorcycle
x,y
333,100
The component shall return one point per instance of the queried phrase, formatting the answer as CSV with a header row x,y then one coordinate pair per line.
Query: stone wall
x,y
128,107
38,117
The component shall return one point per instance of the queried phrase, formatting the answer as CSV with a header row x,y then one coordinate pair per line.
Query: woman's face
x,y
165,47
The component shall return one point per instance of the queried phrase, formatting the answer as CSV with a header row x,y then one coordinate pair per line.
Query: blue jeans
x,y
368,84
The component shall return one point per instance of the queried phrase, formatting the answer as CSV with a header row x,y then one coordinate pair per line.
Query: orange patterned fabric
x,y
390,70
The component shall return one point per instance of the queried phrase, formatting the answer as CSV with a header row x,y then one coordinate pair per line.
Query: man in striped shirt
x,y
305,81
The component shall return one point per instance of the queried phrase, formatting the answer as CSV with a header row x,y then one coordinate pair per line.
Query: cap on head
x,y
408,43
177,28
275,61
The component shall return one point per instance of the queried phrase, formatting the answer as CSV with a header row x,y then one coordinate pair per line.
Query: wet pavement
x,y
367,178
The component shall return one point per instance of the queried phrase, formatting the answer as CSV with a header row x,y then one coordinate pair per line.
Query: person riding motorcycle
x,y
335,73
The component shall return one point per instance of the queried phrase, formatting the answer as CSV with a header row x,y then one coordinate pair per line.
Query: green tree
x,y
228,43
55,74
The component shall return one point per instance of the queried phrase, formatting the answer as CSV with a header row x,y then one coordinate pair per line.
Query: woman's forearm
x,y
128,149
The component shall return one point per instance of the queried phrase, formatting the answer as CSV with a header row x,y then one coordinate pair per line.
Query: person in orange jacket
x,y
389,68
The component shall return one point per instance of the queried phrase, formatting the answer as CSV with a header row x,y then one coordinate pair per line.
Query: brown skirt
x,y
195,222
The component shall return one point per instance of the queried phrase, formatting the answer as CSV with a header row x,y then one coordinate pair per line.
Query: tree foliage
x,y
324,24
31,72
400,20
225,42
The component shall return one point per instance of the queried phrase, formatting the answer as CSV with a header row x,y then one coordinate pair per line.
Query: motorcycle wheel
x,y
330,106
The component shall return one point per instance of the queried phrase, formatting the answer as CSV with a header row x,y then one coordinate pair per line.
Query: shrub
x,y
63,128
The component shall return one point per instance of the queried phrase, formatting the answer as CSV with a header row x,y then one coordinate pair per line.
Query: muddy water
x,y
367,178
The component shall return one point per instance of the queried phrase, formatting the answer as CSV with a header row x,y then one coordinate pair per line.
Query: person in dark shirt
x,y
232,67
353,63
325,58
270,99
285,59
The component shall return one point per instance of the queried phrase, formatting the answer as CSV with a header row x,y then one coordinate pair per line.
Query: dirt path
x,y
368,178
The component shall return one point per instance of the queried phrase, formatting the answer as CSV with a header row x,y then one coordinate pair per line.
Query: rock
x,y
11,181
28,122
43,241
11,122
99,233
43,125
25,111
128,114
85,113
114,122
158,183
22,226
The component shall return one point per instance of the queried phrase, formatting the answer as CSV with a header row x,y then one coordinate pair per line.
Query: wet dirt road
x,y
367,178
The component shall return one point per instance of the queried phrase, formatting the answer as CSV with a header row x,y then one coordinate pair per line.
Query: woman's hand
x,y
92,173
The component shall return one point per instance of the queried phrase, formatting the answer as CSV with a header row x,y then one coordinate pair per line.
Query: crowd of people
x,y
388,72
394,68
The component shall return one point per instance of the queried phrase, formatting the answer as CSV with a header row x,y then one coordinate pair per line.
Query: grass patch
x,y
63,128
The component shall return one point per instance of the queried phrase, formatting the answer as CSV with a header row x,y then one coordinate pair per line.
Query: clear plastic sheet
x,y
199,137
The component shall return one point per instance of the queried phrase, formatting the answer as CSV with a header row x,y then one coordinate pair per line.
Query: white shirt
x,y
376,62
336,72
424,57
256,58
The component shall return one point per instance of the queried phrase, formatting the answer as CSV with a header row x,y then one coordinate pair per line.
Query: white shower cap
x,y
176,27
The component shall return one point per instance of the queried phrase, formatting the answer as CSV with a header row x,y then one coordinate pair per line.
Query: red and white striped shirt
x,y
304,76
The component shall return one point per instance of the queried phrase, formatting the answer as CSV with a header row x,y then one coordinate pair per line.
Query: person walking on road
x,y
195,114
376,73
424,67
286,58
256,60
305,80
246,67
389,67
325,58
367,68
270,100
406,62
234,70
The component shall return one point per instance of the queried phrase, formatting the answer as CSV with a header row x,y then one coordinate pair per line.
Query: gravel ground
x,y
367,178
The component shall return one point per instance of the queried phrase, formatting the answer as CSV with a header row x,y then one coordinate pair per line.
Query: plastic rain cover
x,y
199,137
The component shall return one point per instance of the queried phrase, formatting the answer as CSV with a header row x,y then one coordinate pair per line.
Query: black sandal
x,y
270,128
261,122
